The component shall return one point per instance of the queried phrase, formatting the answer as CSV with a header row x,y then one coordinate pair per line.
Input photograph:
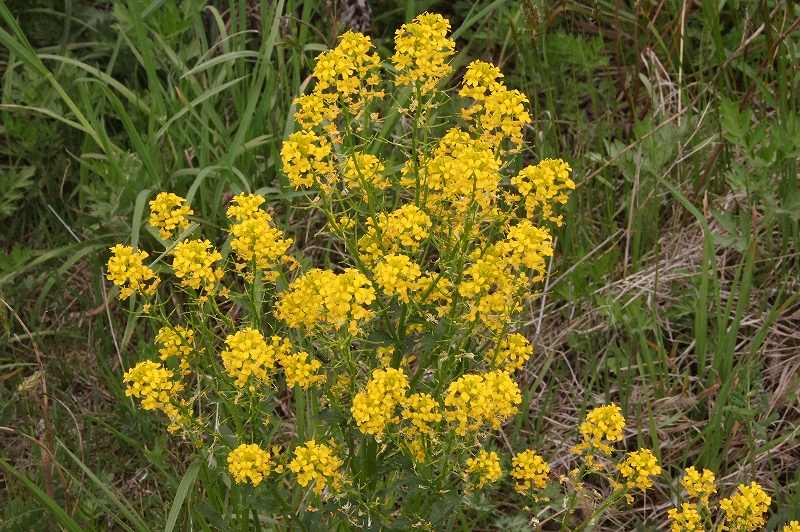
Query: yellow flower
x,y
792,526
422,49
397,275
530,471
491,290
300,371
603,425
169,212
474,400
315,108
176,341
404,228
745,510
256,242
374,407
687,519
421,410
699,485
527,245
305,158
248,354
317,463
245,206
193,263
638,468
323,297
349,73
480,79
249,463
511,353
544,185
153,385
127,271
485,466
364,170
461,171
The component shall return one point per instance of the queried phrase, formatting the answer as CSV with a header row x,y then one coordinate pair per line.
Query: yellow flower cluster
x,y
473,400
527,245
511,353
422,49
491,289
699,485
169,212
421,410
249,463
603,425
300,371
745,510
364,171
485,468
317,463
154,386
638,468
249,354
306,160
402,229
462,170
543,185
499,112
323,297
349,73
374,407
397,275
127,271
687,519
257,243
530,471
178,342
193,262
245,206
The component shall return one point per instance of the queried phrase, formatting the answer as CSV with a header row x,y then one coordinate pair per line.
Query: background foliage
x,y
674,291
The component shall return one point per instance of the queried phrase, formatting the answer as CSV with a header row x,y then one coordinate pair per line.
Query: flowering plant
x,y
371,382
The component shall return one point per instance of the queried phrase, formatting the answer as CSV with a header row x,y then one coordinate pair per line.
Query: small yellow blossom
x,y
256,242
791,526
193,263
364,170
474,400
511,353
300,371
317,463
176,341
699,485
544,185
127,271
249,463
421,410
169,212
306,159
154,386
637,468
374,406
249,354
244,206
422,49
527,245
603,425
401,229
485,467
687,519
530,471
314,108
323,297
745,510
397,275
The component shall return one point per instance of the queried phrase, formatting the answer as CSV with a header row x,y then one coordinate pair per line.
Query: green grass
x,y
674,290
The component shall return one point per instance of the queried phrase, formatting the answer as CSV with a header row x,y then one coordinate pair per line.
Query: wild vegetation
x,y
304,264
